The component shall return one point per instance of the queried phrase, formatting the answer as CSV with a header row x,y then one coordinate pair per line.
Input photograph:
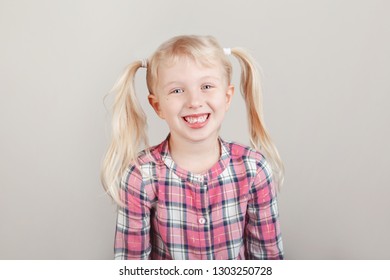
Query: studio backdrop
x,y
325,71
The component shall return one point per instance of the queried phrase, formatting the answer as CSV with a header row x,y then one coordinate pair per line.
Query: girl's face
x,y
192,99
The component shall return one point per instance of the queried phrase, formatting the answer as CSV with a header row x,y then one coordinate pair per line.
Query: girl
x,y
194,196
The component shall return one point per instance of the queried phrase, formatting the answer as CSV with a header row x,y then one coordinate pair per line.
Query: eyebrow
x,y
202,78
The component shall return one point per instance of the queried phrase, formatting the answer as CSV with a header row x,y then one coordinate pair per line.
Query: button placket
x,y
202,220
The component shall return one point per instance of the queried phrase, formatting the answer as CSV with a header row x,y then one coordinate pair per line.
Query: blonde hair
x,y
129,120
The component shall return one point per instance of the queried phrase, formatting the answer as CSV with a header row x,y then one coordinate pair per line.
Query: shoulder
x,y
255,162
150,155
143,168
257,167
244,152
138,180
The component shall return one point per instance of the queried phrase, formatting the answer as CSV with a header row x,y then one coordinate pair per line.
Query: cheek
x,y
169,108
219,104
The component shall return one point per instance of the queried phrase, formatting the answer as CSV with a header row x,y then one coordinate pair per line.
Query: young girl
x,y
194,196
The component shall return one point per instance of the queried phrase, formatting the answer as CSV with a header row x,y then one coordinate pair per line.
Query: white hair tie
x,y
227,51
144,63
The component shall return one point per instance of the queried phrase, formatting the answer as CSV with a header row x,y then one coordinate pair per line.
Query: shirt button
x,y
202,221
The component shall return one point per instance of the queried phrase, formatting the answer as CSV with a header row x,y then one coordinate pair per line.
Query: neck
x,y
196,157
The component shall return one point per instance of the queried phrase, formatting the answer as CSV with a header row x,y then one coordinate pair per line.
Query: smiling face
x,y
192,99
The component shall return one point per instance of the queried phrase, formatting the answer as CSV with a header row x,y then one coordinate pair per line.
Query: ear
x,y
229,95
153,101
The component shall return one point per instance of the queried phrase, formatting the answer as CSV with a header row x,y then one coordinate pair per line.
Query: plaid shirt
x,y
230,212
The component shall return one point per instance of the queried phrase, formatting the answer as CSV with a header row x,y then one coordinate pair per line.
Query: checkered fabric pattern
x,y
230,212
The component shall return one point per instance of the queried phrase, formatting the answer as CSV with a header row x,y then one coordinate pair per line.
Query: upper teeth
x,y
199,119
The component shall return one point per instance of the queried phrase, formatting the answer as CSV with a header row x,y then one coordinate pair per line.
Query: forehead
x,y
184,67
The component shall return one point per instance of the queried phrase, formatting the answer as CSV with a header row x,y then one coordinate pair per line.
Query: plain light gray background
x,y
326,80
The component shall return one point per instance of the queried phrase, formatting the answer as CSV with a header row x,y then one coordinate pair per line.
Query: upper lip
x,y
196,115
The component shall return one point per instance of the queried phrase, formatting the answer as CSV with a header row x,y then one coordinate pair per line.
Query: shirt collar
x,y
210,174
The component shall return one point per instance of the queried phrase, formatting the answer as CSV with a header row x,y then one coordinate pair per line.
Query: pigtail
x,y
252,93
128,132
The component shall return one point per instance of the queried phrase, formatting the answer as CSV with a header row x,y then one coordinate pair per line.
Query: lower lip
x,y
197,125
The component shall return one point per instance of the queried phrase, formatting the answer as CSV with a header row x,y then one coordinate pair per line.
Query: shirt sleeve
x,y
263,238
132,239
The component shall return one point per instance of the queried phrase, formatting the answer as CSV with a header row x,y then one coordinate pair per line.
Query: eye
x,y
176,91
206,87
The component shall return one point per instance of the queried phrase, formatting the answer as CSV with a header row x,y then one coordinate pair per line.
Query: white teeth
x,y
192,120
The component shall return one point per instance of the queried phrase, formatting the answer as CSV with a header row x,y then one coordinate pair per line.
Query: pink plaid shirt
x,y
230,212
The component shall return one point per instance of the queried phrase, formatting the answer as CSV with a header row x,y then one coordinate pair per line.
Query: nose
x,y
194,99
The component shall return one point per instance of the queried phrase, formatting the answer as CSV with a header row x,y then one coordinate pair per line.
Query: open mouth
x,y
194,119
